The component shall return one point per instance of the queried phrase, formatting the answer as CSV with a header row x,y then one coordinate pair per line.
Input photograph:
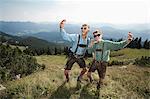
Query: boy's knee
x,y
89,74
66,72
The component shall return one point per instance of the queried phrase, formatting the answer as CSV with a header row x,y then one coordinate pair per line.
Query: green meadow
x,y
127,81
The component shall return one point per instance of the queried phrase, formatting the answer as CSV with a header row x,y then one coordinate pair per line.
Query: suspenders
x,y
80,45
102,51
77,44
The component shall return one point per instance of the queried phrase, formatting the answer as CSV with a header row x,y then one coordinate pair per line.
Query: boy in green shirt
x,y
101,52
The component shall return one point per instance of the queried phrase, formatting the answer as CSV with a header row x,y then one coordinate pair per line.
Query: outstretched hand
x,y
62,23
91,43
130,37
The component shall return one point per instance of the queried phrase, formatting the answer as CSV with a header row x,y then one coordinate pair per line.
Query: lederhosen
x,y
73,57
100,66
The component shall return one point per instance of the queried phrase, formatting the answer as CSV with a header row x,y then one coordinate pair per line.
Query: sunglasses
x,y
83,28
96,35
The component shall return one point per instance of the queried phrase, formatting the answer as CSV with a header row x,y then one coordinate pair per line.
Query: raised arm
x,y
65,35
119,45
115,45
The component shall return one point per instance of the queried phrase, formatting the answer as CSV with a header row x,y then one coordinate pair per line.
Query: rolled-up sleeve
x,y
115,45
67,36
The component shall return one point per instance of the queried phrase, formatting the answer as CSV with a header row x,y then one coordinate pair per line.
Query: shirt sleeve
x,y
115,45
67,36
91,49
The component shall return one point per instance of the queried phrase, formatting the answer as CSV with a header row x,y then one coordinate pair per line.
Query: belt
x,y
99,50
100,61
82,45
78,56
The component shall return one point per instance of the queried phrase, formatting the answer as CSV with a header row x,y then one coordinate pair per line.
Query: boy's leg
x,y
66,72
101,68
82,65
83,71
91,69
89,76
68,67
103,71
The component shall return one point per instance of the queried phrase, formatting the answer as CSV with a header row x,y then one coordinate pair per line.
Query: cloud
x,y
111,11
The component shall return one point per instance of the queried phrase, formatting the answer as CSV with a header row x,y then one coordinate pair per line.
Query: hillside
x,y
9,37
34,42
122,82
48,36
29,41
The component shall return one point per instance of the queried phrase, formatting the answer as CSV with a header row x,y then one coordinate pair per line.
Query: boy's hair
x,y
86,25
97,32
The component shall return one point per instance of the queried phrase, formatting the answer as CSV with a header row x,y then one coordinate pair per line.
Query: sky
x,y
76,11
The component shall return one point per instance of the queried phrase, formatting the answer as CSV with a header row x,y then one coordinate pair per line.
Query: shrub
x,y
143,61
115,62
14,62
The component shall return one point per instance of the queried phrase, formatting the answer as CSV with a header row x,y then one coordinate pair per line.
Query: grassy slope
x,y
129,82
130,53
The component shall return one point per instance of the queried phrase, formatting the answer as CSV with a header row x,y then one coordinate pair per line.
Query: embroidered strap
x,y
77,44
102,52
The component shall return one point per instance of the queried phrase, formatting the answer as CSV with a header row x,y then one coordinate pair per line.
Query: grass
x,y
130,53
131,82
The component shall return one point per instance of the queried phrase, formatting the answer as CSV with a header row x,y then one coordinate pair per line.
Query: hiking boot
x,y
91,80
98,86
67,80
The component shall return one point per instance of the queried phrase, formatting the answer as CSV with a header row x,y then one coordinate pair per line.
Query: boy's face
x,y
85,29
97,36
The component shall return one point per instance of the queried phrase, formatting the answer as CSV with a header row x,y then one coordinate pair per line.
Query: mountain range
x,y
50,31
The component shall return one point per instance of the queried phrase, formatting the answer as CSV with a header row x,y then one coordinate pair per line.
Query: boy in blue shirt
x,y
80,43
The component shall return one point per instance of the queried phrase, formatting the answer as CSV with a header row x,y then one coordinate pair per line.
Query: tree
x,y
56,51
49,51
133,43
139,43
146,44
111,39
120,39
2,39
